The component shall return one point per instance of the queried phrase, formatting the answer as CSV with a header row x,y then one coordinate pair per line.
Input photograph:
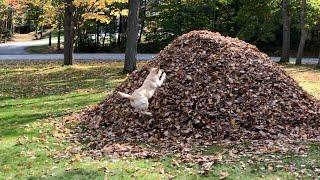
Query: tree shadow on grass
x,y
60,80
14,117
46,99
78,174
8,128
302,68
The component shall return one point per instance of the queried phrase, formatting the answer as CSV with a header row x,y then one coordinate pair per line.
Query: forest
x,y
100,25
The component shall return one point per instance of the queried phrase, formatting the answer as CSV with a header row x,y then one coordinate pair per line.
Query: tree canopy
x,y
100,25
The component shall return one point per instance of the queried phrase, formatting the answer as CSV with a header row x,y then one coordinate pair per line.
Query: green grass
x,y
34,95
44,49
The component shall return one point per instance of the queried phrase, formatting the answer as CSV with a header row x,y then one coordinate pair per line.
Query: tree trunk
x,y
132,39
124,28
286,32
97,34
68,33
50,38
59,34
78,39
303,34
1,29
319,60
41,32
12,22
142,20
36,35
105,34
214,7
120,31
5,30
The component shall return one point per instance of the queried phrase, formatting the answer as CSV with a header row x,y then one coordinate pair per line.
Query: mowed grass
x,y
33,95
44,49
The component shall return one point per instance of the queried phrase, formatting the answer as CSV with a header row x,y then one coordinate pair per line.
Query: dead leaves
x,y
217,88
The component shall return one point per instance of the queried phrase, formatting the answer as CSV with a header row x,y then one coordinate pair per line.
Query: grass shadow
x,y
77,174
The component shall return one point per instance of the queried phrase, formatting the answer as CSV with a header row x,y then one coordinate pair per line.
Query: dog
x,y
139,99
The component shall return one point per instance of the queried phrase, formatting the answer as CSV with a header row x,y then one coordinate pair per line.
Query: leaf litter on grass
x,y
219,90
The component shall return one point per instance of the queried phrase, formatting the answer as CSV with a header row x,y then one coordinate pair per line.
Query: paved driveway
x,y
15,51
109,56
18,48
96,56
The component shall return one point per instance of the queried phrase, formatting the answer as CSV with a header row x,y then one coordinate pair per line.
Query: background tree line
x,y
100,25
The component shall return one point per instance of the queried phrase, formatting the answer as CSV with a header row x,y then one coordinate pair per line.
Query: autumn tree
x,y
92,17
286,32
132,36
59,9
35,14
319,61
303,32
68,33
49,17
3,21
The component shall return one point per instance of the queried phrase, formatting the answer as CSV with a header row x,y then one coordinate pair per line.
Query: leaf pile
x,y
217,88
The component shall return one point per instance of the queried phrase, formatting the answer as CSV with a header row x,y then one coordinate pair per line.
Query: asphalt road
x,y
18,48
16,51
95,56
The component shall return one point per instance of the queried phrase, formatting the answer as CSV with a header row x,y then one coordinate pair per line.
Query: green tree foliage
x,y
6,21
174,18
35,14
255,21
100,25
95,16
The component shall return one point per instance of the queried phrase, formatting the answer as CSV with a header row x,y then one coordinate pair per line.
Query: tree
x,y
3,21
142,18
35,14
132,39
303,32
319,61
68,33
256,21
59,36
49,17
286,32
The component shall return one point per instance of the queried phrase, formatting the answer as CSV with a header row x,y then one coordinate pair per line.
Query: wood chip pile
x,y
217,88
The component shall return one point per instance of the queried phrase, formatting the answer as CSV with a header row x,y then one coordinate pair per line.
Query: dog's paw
x,y
147,113
164,75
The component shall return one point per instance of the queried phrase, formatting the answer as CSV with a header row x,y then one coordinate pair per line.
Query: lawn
x,y
35,96
44,49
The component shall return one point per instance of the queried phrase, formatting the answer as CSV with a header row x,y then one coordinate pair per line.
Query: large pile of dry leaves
x,y
217,88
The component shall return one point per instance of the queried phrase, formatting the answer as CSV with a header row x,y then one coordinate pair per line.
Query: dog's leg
x,y
146,113
160,72
161,80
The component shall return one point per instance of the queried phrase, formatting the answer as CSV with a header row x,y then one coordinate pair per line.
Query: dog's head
x,y
154,70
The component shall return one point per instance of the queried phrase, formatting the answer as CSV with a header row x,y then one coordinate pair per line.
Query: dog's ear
x,y
124,95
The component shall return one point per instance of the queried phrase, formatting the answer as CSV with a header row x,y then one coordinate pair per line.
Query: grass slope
x,y
35,94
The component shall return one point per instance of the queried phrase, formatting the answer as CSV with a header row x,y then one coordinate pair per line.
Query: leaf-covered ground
x,y
34,96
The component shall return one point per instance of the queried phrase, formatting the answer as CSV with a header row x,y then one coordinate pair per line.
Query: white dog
x,y
139,98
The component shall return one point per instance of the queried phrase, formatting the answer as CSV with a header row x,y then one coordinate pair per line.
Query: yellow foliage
x,y
96,9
